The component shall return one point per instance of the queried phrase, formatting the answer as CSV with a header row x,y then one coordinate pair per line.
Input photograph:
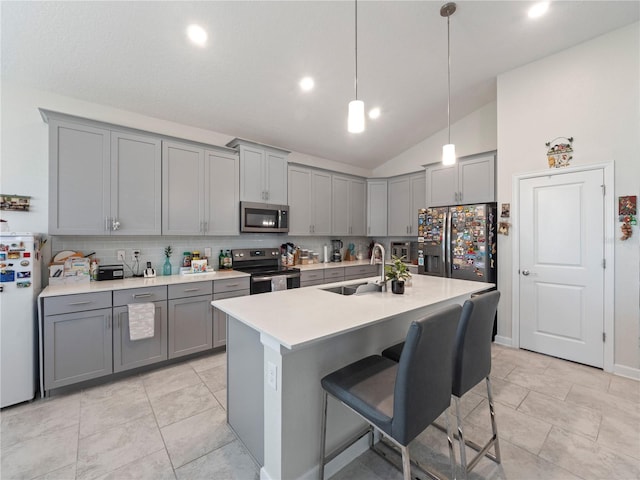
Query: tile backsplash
x,y
152,248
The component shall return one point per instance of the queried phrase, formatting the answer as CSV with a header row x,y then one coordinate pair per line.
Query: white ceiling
x,y
135,56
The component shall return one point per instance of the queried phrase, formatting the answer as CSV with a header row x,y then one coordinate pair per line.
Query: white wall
x,y
475,133
591,93
24,163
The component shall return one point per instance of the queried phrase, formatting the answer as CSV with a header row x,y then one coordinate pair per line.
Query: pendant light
x,y
448,150
355,121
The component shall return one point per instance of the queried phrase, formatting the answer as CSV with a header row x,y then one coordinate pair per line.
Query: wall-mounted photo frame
x,y
19,203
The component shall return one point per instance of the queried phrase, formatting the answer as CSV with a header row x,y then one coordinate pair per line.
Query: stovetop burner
x,y
260,261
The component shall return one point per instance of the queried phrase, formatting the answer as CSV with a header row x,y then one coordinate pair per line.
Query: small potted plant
x,y
397,272
166,268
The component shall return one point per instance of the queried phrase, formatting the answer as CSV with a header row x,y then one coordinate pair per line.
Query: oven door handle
x,y
268,278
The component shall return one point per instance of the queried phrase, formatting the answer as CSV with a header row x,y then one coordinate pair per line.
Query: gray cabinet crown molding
x,y
236,142
48,115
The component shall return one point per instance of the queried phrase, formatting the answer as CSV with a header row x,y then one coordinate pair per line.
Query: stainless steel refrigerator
x,y
458,242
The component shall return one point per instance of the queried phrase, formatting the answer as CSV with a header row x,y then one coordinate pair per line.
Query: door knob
x,y
526,273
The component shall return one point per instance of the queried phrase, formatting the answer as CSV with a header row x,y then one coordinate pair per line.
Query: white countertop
x,y
298,317
108,285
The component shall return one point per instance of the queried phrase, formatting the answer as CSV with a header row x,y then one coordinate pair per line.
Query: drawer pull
x,y
142,295
191,289
81,303
233,285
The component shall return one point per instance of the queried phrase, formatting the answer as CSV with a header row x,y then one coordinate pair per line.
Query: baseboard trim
x,y
338,463
624,371
506,341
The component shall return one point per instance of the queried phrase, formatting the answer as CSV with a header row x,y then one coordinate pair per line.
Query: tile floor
x,y
556,420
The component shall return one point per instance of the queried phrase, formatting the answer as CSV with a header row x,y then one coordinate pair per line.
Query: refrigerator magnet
x,y
23,284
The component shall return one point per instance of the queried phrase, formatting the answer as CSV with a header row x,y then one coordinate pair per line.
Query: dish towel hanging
x,y
279,282
142,319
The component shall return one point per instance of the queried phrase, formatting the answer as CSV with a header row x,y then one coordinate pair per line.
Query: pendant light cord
x,y
448,78
356,30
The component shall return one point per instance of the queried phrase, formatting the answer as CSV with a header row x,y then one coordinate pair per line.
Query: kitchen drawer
x,y
361,271
311,275
193,289
231,285
334,274
310,283
76,303
139,295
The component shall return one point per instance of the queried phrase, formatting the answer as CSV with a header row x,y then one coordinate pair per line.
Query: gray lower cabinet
x,y
129,354
361,271
190,318
335,274
220,318
311,277
77,346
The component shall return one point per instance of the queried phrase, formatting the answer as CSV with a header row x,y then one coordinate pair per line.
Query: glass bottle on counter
x,y
186,259
221,260
228,261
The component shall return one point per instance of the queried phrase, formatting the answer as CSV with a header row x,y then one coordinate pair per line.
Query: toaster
x,y
110,272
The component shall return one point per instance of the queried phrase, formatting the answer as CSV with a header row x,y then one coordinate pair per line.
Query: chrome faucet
x,y
383,281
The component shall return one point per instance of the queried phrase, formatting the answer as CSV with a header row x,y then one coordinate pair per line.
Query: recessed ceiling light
x,y
197,35
538,9
374,113
307,84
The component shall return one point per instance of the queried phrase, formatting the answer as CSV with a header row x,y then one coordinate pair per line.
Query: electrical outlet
x,y
207,252
135,255
272,375
120,255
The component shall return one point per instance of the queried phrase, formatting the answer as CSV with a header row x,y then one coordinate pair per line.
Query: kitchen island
x,y
281,344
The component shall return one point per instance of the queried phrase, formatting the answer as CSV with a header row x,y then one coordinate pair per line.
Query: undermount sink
x,y
354,289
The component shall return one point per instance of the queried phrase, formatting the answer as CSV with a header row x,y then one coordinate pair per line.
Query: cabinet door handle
x,y
460,196
206,227
120,320
266,194
369,230
108,322
232,285
81,303
142,295
115,224
106,223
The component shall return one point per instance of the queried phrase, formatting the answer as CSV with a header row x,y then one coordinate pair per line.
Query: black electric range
x,y
267,274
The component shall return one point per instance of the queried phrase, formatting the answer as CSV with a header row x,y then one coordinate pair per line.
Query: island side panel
x,y
295,407
245,389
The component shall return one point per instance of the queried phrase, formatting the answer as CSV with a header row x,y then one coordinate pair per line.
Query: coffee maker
x,y
336,245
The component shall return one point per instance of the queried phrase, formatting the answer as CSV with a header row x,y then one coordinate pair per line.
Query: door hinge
x,y
604,190
604,263
604,337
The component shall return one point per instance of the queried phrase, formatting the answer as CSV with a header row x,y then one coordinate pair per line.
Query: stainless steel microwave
x,y
264,218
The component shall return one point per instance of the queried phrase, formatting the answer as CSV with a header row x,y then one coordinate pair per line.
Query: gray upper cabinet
x,y
348,206
182,189
263,172
199,190
406,196
222,193
377,208
136,182
470,180
101,181
309,201
79,179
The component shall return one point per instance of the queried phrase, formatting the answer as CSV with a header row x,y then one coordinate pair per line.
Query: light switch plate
x,y
272,375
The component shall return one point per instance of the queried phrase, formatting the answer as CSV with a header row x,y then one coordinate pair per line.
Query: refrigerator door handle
x,y
448,239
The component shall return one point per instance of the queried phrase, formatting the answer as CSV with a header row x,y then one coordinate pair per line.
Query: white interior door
x,y
561,266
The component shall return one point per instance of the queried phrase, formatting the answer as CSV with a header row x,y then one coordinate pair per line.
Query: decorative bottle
x,y
166,268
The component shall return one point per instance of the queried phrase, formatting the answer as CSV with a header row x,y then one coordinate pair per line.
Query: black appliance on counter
x,y
263,264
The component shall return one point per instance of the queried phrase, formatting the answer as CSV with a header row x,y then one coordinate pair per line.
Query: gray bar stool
x,y
471,364
400,399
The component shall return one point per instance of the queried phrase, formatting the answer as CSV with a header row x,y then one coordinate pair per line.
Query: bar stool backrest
x,y
472,360
423,380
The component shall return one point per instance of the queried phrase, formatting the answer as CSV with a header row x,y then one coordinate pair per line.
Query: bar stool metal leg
x,y
406,463
450,435
461,442
494,426
323,433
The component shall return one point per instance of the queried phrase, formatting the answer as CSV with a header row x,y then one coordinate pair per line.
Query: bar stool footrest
x,y
390,453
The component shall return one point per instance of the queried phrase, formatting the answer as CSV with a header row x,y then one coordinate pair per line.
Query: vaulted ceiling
x,y
135,56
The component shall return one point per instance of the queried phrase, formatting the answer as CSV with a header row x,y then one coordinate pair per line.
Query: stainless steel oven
x,y
263,264
264,218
